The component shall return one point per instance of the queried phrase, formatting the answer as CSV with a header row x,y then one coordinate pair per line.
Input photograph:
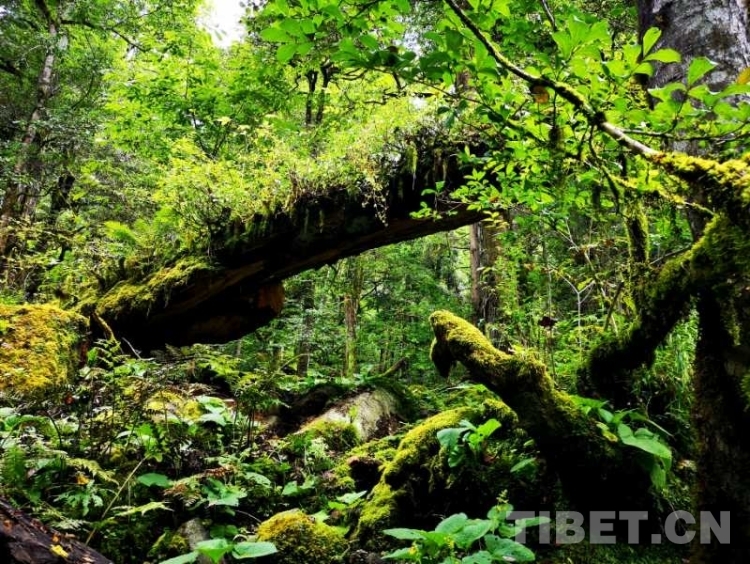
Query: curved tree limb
x,y
592,469
664,301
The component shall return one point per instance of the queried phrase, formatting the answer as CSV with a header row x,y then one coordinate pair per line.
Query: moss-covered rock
x,y
300,539
40,346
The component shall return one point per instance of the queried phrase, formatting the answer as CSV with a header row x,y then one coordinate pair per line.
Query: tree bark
x,y
717,30
24,540
21,195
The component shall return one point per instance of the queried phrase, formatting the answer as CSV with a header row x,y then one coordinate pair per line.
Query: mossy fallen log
x,y
241,290
596,473
416,483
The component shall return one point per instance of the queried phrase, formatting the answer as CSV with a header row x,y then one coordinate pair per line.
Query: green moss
x,y
417,477
338,436
40,346
143,296
300,539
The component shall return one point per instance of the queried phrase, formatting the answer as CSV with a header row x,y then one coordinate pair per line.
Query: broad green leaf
x,y
452,524
488,427
472,532
507,550
698,68
183,558
650,38
286,52
481,557
403,554
215,549
405,534
651,446
275,35
665,56
246,549
154,479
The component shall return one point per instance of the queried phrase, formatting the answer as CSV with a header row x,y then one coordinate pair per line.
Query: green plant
x,y
656,454
216,549
467,442
459,539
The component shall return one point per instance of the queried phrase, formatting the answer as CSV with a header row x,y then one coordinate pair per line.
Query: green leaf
x,y
285,53
275,35
154,479
246,549
403,554
481,557
452,524
182,559
698,68
650,38
488,427
507,550
665,56
405,534
215,549
651,446
472,532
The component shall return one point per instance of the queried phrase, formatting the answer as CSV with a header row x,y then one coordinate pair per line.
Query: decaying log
x,y
241,289
24,540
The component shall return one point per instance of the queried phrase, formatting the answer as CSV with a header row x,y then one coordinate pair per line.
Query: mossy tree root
x,y
594,472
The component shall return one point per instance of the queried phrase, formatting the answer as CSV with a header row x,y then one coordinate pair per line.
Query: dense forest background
x,y
353,286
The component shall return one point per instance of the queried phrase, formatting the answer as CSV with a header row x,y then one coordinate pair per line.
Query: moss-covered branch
x,y
663,302
595,472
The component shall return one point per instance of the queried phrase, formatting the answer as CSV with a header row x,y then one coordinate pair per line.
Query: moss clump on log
x,y
150,294
299,538
417,483
40,346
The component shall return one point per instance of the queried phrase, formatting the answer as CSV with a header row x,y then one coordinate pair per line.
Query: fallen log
x,y
24,540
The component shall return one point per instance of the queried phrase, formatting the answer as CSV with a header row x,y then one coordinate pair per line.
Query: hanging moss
x,y
40,346
299,538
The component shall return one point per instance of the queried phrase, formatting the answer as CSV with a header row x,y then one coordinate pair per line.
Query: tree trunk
x,y
355,276
483,255
720,32
304,343
21,195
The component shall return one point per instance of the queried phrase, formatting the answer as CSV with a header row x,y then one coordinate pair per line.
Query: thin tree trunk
x,y
22,192
304,343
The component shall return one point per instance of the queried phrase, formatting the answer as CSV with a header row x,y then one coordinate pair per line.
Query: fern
x,y
121,233
93,468
13,467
